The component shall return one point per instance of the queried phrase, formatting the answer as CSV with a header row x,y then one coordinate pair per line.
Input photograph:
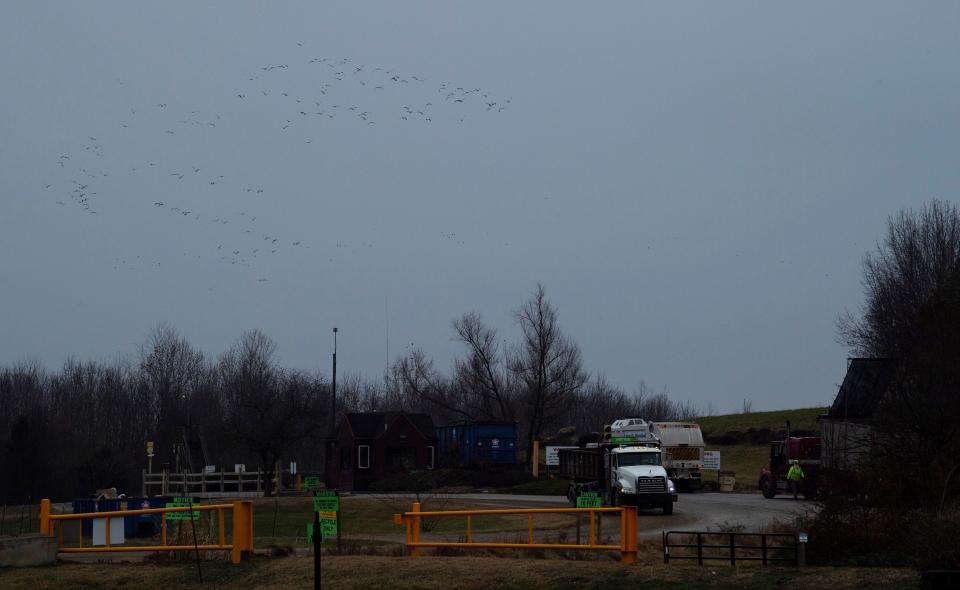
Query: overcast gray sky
x,y
694,184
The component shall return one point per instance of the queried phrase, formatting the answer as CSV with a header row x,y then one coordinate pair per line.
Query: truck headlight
x,y
672,488
624,487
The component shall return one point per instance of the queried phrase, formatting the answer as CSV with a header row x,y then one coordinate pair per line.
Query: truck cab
x,y
637,478
773,477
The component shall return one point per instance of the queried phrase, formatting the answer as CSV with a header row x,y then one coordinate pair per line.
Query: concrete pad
x,y
27,550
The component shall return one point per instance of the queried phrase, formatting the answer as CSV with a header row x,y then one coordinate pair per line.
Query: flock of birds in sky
x,y
298,98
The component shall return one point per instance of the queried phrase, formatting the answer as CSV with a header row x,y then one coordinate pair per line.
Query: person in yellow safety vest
x,y
794,476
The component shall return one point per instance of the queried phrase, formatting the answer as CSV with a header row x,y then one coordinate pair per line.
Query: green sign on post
x,y
589,500
185,515
326,503
311,482
328,528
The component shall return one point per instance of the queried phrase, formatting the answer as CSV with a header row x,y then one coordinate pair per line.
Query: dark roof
x,y
863,387
373,424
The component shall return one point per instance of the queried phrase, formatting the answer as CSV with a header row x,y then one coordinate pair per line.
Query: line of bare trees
x,y
84,427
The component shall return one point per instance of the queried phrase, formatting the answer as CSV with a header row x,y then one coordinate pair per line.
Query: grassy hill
x,y
802,419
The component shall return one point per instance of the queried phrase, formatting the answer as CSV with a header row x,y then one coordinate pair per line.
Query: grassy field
x,y
283,521
802,419
449,573
744,460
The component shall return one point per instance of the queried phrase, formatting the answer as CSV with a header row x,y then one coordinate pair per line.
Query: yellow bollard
x,y
415,533
628,540
242,529
46,525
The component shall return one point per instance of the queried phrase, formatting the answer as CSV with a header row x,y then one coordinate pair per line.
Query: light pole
x,y
333,397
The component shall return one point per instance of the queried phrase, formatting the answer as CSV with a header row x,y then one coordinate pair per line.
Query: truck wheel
x,y
767,488
668,508
614,498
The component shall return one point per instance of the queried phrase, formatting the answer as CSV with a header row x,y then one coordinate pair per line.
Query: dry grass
x,y
448,573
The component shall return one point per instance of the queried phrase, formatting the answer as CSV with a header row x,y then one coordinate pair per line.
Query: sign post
x,y
317,538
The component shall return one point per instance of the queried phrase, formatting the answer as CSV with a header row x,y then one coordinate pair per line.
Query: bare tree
x,y
548,365
169,369
481,377
267,411
417,378
920,250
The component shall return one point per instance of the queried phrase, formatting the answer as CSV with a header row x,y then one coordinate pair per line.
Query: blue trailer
x,y
476,444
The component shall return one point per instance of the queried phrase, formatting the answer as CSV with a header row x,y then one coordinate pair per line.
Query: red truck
x,y
773,477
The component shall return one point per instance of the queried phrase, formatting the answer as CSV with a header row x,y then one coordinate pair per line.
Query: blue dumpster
x,y
143,525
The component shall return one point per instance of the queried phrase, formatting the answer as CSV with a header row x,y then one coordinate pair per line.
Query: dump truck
x,y
683,447
622,474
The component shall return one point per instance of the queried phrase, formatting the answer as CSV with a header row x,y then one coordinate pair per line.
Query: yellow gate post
x,y
628,534
535,463
242,529
415,533
46,525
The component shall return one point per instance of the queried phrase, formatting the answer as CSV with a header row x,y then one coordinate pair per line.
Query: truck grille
x,y
651,484
684,453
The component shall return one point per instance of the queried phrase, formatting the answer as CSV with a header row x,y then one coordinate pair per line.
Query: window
x,y
431,455
363,456
632,459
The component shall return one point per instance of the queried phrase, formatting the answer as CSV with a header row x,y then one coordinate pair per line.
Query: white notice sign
x,y
553,455
711,460
100,531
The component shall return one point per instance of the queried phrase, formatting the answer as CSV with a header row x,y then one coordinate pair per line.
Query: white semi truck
x,y
680,442
630,475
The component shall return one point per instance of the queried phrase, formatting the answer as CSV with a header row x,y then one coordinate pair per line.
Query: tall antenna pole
x,y
333,397
386,313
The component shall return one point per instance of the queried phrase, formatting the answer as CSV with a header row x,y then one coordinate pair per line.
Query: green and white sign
x,y
311,482
589,500
185,515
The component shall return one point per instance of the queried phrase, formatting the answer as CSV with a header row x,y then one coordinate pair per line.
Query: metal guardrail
x,y
765,551
628,530
241,543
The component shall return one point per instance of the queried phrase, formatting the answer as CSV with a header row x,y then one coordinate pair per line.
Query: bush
x,y
845,533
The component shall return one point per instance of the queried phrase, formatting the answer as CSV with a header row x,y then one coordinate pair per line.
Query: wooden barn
x,y
367,447
848,430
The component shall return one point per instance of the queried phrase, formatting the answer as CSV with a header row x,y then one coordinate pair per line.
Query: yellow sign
x,y
327,513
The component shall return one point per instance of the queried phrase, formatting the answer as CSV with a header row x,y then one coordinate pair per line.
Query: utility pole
x,y
333,397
